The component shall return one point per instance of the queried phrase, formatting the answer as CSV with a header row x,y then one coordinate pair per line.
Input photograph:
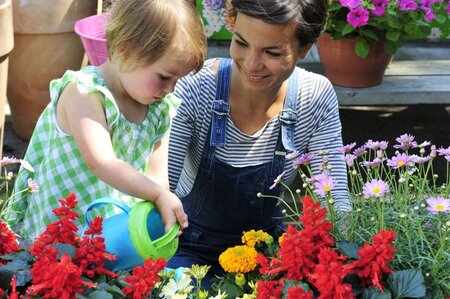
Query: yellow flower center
x,y
376,190
326,188
439,207
400,163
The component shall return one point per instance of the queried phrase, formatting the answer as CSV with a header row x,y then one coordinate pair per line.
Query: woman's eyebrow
x,y
273,47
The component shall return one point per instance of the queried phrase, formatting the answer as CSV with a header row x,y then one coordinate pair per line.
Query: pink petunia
x,y
380,8
358,17
438,204
350,3
375,188
405,5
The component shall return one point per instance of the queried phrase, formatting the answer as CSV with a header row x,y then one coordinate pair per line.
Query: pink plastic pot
x,y
92,34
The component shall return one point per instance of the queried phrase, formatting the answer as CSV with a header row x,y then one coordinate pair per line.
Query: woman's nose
x,y
253,62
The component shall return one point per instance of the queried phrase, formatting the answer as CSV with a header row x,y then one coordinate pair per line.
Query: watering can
x,y
135,234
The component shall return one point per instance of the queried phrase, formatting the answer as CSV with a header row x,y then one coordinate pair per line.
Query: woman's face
x,y
265,54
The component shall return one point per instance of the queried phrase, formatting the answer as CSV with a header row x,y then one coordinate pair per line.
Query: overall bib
x,y
223,202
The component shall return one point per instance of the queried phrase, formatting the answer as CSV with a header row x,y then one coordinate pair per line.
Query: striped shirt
x,y
318,128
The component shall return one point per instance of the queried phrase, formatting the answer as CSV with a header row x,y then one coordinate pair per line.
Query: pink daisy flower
x,y
438,204
375,188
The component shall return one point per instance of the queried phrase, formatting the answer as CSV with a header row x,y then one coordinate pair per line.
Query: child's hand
x,y
171,210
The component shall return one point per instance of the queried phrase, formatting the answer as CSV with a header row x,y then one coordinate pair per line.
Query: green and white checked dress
x,y
59,167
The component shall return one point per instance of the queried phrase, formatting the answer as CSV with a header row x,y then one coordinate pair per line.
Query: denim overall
x,y
223,201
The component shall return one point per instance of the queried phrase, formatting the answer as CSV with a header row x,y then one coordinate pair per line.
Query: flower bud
x,y
240,280
304,185
259,195
402,215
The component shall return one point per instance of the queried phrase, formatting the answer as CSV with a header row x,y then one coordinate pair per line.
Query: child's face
x,y
153,82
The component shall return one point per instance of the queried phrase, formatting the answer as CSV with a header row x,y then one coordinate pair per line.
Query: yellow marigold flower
x,y
239,259
280,239
252,237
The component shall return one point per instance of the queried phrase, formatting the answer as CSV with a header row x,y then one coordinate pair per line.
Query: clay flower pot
x,y
45,47
6,45
344,68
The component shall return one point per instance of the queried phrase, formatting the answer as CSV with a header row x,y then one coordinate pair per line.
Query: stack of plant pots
x,y
6,46
45,47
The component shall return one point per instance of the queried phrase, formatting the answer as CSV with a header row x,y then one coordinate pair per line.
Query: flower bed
x,y
393,244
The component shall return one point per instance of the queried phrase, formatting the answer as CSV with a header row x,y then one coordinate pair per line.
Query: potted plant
x,y
373,30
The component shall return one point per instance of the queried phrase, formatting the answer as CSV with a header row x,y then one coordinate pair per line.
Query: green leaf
x,y
374,293
349,249
393,35
98,294
407,283
370,34
362,48
64,248
347,29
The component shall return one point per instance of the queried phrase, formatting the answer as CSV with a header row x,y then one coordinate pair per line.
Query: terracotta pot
x,y
6,45
45,47
344,68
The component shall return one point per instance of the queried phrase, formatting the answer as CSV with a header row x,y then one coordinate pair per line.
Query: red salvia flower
x,y
374,259
57,279
269,289
329,275
91,251
61,231
143,278
14,294
299,293
8,242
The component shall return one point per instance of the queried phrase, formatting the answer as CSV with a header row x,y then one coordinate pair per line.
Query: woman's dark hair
x,y
310,15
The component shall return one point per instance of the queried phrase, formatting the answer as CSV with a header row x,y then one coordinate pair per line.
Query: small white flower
x,y
26,165
402,215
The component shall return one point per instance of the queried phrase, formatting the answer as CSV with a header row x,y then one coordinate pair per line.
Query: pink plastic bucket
x,y
92,33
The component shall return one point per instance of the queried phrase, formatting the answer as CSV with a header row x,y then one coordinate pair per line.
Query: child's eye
x,y
162,77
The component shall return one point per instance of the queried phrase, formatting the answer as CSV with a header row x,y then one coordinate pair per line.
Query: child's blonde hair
x,y
141,31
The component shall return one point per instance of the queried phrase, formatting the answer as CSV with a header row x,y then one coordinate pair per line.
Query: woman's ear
x,y
304,51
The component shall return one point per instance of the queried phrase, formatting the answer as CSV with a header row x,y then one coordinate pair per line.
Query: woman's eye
x,y
273,54
240,43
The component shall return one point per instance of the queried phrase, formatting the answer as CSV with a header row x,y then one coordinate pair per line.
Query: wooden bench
x,y
408,80
405,82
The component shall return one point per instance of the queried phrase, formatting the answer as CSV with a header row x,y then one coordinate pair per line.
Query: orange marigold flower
x,y
252,237
239,259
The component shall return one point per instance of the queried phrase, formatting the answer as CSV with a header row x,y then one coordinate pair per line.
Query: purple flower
x,y
347,148
448,8
419,160
373,163
444,151
32,186
277,180
405,141
423,144
214,4
399,161
380,8
303,159
375,188
438,204
404,5
358,17
349,159
350,3
360,151
323,183
293,155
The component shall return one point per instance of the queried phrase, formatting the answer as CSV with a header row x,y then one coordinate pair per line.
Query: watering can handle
x,y
103,202
169,236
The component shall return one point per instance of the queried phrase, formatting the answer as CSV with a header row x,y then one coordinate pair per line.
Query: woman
x,y
240,117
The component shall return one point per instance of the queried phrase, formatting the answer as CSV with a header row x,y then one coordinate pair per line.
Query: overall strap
x,y
220,106
288,116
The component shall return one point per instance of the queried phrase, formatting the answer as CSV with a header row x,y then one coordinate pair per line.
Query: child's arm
x,y
157,165
83,116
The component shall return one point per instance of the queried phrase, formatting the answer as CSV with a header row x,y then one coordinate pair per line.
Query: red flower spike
x,y
14,294
374,259
269,289
91,251
57,279
143,278
299,293
8,241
